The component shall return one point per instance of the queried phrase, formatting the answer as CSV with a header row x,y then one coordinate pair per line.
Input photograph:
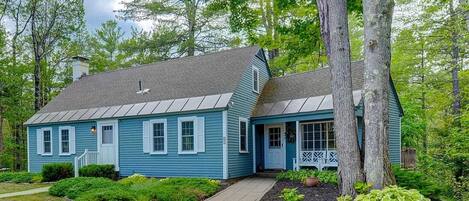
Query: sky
x,y
99,11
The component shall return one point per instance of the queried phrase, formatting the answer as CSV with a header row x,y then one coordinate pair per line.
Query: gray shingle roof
x,y
304,92
215,73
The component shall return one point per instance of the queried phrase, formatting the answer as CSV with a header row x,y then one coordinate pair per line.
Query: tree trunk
x,y
334,31
191,18
1,131
377,18
454,74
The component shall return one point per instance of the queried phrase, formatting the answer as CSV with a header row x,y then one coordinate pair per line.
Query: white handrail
x,y
87,158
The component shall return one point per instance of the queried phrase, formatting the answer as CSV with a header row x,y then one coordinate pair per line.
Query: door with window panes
x,y
274,147
107,141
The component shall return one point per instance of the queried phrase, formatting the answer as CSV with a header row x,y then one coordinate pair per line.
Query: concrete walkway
x,y
27,192
249,189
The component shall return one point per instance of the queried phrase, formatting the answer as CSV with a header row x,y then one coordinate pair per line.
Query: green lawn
x,y
12,187
34,197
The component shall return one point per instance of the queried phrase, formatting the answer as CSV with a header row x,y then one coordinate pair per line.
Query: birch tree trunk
x,y
334,31
377,18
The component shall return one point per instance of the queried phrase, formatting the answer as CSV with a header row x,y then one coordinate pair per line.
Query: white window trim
x,y
241,119
252,80
183,119
152,146
69,128
51,142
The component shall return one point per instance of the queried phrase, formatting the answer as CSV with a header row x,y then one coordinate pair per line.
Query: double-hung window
x,y
64,141
47,142
158,136
255,79
243,135
187,136
191,135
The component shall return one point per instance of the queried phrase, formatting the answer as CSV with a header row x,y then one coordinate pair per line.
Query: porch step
x,y
268,174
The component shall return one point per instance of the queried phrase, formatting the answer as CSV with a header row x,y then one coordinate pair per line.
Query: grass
x,y
34,197
12,187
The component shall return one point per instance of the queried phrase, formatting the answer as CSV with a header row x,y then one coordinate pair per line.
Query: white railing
x,y
318,159
87,158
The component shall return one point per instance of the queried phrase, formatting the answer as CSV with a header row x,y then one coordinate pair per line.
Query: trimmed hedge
x,y
134,179
106,171
73,187
20,177
56,171
300,175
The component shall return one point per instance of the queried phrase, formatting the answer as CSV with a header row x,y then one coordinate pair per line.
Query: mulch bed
x,y
323,192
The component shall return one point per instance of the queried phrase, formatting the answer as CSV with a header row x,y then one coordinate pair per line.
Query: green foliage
x,y
114,193
73,187
133,179
344,198
169,189
300,175
392,193
427,186
94,170
57,171
362,187
20,177
291,194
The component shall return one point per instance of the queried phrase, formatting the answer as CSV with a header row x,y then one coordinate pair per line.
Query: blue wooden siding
x,y
207,164
83,138
394,129
244,100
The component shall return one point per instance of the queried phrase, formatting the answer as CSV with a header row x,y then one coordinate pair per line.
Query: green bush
x,y
362,187
106,171
426,185
177,189
108,194
57,171
134,179
73,187
20,177
300,175
392,193
291,194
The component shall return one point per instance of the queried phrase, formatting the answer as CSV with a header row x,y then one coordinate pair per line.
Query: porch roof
x,y
304,92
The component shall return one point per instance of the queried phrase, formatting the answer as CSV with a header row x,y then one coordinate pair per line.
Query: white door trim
x,y
116,137
282,142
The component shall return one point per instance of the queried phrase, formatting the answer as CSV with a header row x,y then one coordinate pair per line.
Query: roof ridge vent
x,y
141,90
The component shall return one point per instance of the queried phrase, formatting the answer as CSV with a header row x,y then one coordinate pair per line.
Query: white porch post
x,y
254,169
298,141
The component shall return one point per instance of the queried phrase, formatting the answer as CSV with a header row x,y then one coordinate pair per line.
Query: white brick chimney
x,y
80,67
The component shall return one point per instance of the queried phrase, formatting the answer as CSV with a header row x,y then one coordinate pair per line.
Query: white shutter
x,y
146,137
72,140
39,144
200,134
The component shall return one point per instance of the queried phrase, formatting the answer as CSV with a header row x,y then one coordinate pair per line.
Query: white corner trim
x,y
254,163
69,128
298,141
27,148
242,119
180,120
165,143
400,139
51,141
284,145
254,68
225,143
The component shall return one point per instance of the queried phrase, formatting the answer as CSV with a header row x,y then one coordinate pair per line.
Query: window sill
x,y
187,152
65,154
256,92
244,152
158,153
46,154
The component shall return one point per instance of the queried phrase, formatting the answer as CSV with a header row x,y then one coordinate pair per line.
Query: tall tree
x,y
334,31
378,19
51,21
197,28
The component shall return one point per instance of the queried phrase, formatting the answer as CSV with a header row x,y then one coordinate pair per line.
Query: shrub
x,y
73,187
134,179
300,175
291,194
426,185
106,171
57,171
344,198
392,193
187,189
20,177
108,194
362,187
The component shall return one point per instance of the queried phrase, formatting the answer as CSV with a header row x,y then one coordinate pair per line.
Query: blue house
x,y
219,115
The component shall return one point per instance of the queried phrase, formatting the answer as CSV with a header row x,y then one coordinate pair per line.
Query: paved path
x,y
27,192
249,189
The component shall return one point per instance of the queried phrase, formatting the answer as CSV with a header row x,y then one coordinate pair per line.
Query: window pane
x,y
47,147
187,132
158,137
47,139
274,138
64,135
65,147
107,136
255,75
242,135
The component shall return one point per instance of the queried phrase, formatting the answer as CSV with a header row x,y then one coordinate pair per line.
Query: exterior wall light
x,y
93,130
